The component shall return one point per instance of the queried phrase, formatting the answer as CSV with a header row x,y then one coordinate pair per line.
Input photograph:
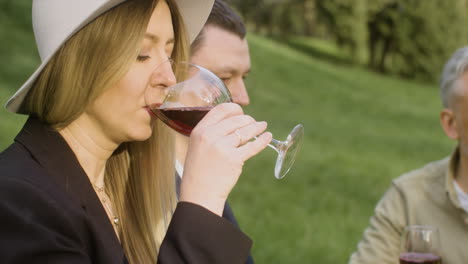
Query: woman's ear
x,y
449,123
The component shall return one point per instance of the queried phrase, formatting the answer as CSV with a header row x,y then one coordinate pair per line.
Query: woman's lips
x,y
150,112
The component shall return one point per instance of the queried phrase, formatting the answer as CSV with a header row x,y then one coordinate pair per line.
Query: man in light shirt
x,y
436,194
222,48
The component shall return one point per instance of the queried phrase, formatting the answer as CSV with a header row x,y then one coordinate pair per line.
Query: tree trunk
x,y
309,17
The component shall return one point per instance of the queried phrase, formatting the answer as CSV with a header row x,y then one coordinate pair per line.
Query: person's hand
x,y
219,146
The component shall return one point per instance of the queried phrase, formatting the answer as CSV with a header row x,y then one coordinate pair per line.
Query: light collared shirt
x,y
425,196
179,168
462,196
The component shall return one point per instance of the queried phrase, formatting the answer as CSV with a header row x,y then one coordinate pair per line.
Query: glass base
x,y
287,151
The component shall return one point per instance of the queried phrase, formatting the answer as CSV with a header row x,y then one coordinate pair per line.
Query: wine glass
x,y
420,244
184,104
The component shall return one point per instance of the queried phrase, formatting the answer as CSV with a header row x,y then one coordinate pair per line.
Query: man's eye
x,y
142,57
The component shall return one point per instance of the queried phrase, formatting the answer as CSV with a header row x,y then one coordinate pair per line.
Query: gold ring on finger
x,y
238,136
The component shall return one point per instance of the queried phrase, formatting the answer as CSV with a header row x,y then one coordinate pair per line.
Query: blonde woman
x,y
90,179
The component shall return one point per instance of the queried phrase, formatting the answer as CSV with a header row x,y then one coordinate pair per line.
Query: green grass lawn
x,y
18,57
362,130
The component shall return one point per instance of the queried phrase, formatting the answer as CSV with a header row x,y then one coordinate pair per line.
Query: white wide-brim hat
x,y
55,21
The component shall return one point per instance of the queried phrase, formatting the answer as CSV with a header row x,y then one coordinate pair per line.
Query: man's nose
x,y
239,93
163,76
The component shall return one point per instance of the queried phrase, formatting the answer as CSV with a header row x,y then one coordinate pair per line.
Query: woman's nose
x,y
163,76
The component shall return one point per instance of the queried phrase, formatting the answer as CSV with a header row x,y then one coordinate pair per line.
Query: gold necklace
x,y
100,191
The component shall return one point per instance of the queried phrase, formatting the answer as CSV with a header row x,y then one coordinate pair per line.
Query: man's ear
x,y
449,123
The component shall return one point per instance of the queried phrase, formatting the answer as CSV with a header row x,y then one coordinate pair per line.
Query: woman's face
x,y
121,110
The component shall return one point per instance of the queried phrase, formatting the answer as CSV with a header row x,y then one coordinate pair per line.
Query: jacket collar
x,y
450,178
53,153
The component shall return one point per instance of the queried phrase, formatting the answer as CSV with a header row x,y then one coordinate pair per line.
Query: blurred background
x,y
360,75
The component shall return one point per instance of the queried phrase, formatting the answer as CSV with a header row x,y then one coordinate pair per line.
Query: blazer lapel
x,y
52,152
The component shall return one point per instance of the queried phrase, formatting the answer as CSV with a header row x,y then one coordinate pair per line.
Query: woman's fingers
x,y
231,124
219,113
242,135
226,123
218,147
252,148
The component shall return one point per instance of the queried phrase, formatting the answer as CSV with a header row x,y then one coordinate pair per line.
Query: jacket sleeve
x,y
33,229
228,214
196,235
381,240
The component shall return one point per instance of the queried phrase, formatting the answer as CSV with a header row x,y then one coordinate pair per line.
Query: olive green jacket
x,y
425,196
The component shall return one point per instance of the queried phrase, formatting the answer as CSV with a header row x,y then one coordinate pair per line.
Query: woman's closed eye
x,y
142,58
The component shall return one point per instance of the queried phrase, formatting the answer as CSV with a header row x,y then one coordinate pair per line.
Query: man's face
x,y
226,55
460,112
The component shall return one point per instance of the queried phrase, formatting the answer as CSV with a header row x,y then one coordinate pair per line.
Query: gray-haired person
x,y
437,193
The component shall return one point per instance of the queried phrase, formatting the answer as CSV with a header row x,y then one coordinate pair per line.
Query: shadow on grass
x,y
315,52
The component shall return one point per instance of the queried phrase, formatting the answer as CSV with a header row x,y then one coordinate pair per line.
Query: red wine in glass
x,y
419,258
182,119
198,90
420,244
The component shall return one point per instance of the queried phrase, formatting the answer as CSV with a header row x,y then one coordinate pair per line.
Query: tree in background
x,y
277,18
309,16
426,34
257,14
381,26
346,21
412,38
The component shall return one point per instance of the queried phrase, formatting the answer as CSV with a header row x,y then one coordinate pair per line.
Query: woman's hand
x,y
219,146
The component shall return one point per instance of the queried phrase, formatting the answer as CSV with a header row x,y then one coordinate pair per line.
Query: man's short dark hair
x,y
223,17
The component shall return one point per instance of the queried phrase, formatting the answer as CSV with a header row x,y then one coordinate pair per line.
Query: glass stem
x,y
276,145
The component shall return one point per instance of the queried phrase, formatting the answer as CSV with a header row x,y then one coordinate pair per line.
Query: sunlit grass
x,y
362,130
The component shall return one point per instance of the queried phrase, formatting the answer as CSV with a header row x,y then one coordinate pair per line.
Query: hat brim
x,y
194,14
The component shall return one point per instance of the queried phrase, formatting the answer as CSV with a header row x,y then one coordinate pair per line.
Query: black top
x,y
51,214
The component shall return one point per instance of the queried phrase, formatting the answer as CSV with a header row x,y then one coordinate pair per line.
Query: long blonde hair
x,y
139,175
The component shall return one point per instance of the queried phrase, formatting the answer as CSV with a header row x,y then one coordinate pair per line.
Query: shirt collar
x,y
450,178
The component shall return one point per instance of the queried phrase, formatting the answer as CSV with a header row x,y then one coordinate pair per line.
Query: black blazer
x,y
51,214
228,214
